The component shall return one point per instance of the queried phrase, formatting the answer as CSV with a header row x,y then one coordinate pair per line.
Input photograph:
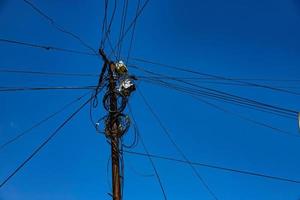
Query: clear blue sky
x,y
244,39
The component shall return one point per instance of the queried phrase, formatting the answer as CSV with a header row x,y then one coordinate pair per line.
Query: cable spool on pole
x,y
116,124
111,104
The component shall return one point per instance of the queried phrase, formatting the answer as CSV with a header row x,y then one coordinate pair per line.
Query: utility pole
x,y
113,123
114,137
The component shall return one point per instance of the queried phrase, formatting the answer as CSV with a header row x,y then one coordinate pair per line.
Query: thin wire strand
x,y
132,23
244,172
16,89
223,99
165,130
41,146
17,71
227,96
123,24
59,27
39,123
133,32
198,97
184,69
147,153
45,47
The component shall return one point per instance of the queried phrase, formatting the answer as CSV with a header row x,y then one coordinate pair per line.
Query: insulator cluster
x,y
116,123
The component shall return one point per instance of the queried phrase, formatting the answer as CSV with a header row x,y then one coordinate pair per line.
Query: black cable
x,y
41,146
197,97
220,98
106,35
16,71
165,130
184,69
132,23
238,115
59,27
16,89
216,167
210,81
104,24
23,133
45,47
133,32
149,157
123,24
245,118
228,96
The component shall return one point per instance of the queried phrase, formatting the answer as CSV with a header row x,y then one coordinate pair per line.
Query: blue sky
x,y
244,39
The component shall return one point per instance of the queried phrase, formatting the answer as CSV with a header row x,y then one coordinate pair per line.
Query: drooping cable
x,y
165,130
123,24
133,32
196,92
184,69
41,146
16,89
47,73
200,98
45,47
59,27
39,123
131,24
147,153
230,97
244,172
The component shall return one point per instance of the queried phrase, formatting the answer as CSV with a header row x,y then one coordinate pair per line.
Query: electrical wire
x,y
104,24
132,23
165,130
16,89
41,146
244,172
106,36
196,92
147,153
45,47
17,71
230,97
184,69
212,81
235,114
133,32
39,123
59,27
123,24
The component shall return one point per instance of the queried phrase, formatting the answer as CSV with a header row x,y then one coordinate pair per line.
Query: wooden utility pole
x,y
112,126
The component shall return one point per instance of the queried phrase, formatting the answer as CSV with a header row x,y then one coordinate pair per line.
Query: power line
x,y
234,78
45,47
41,146
215,167
104,23
200,93
165,130
16,71
211,81
106,35
199,98
23,133
149,157
123,23
133,32
230,97
184,69
16,89
59,27
132,23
